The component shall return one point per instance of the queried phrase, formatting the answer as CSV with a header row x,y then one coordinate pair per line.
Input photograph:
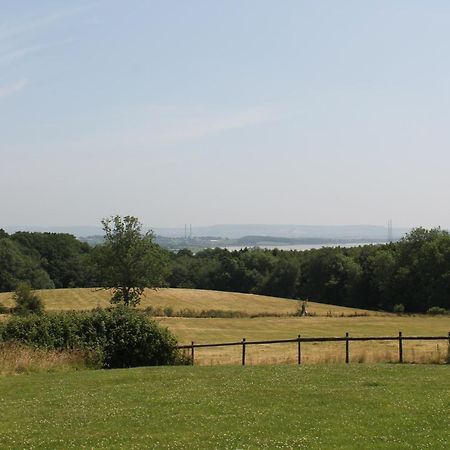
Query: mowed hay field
x,y
178,299
214,330
270,328
308,407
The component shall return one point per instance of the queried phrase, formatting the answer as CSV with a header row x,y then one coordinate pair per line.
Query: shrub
x,y
132,340
302,309
125,337
168,311
154,311
437,310
399,308
27,301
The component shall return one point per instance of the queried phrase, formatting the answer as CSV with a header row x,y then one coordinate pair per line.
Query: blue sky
x,y
202,112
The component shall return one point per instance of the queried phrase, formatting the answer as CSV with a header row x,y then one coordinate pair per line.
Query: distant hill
x,y
237,231
77,231
333,232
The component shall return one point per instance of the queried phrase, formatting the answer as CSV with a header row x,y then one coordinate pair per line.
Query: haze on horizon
x,y
258,112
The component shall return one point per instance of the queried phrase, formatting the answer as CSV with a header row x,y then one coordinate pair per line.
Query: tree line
x,y
413,272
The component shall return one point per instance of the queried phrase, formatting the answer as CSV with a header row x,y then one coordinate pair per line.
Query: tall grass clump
x,y
18,358
123,337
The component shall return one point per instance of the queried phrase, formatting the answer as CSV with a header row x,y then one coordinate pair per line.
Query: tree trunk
x,y
126,295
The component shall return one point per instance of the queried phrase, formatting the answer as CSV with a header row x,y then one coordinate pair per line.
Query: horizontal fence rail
x,y
347,339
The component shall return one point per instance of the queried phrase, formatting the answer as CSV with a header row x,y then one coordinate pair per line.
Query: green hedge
x,y
123,336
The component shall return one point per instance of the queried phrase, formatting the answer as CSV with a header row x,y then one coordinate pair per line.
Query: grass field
x,y
208,330
267,328
177,299
310,407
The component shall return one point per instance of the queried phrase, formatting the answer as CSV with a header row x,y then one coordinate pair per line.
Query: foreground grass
x,y
333,406
177,299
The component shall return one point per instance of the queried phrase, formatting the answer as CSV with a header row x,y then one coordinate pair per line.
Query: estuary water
x,y
301,247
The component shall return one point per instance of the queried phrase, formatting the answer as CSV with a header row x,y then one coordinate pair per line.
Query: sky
x,y
227,111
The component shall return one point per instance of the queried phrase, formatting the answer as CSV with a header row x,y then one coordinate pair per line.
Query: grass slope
x,y
310,407
195,299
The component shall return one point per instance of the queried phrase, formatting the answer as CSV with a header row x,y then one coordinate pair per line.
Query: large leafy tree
x,y
17,266
62,256
129,261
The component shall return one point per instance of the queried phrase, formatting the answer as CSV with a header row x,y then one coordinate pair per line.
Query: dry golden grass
x,y
269,328
322,353
177,299
16,359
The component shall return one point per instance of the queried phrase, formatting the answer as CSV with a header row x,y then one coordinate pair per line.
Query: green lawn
x,y
320,406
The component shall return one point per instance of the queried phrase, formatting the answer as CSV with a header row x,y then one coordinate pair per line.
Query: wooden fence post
x,y
448,348
347,349
400,338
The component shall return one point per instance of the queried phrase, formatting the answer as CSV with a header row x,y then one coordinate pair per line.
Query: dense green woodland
x,y
414,272
45,260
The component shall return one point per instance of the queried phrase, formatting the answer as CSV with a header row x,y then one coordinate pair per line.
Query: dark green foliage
x,y
205,313
282,280
437,311
132,340
62,256
27,301
124,337
44,260
399,308
414,272
128,261
168,311
16,266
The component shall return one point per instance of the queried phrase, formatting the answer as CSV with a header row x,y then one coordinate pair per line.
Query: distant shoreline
x,y
304,247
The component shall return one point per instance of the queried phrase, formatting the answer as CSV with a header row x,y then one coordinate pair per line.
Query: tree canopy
x,y
413,272
129,261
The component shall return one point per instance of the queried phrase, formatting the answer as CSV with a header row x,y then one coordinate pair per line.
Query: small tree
x,y
399,308
129,261
302,309
27,301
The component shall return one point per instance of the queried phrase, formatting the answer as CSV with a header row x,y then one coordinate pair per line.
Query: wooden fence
x,y
299,340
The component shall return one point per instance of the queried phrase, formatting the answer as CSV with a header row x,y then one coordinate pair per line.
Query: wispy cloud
x,y
10,31
169,126
157,128
198,127
12,88
14,37
11,56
